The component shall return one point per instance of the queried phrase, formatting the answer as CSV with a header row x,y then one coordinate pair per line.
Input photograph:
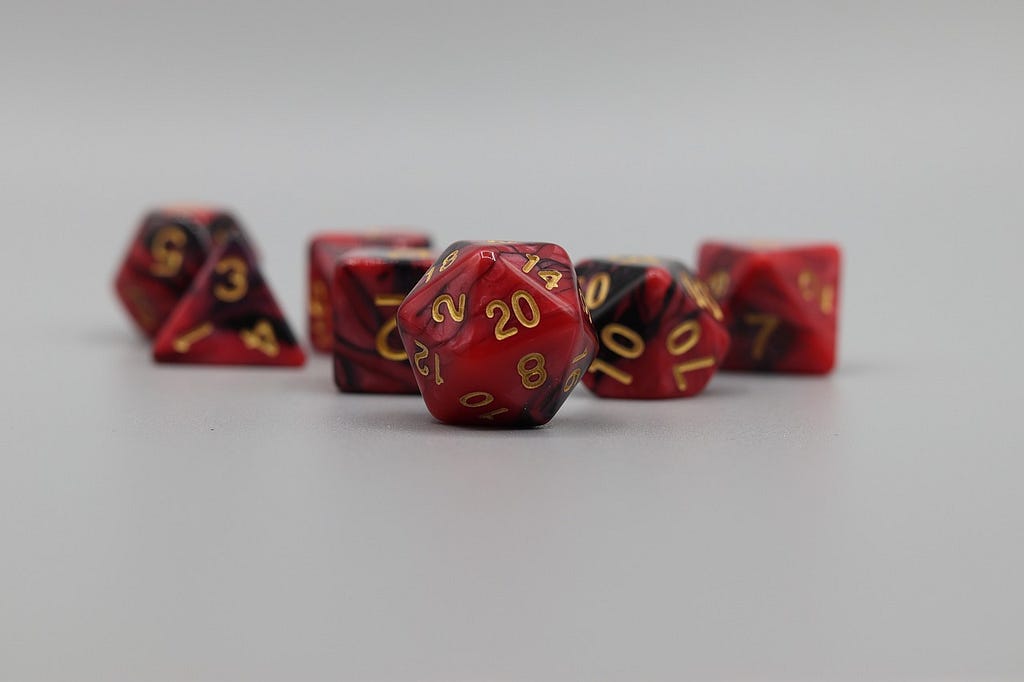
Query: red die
x,y
167,251
369,285
498,333
325,250
660,329
228,317
781,304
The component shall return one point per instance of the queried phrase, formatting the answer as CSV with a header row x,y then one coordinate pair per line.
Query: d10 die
x,y
660,329
169,248
325,249
497,333
781,304
369,285
228,317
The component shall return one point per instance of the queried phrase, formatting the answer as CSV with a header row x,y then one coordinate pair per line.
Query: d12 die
x,y
228,317
325,249
369,285
781,304
497,333
660,329
169,248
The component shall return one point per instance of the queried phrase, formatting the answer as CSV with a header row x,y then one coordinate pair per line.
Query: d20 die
x,y
660,330
325,249
369,285
781,304
497,333
168,249
228,316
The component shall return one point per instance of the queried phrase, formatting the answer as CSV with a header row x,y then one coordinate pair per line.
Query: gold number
x,y
701,295
477,399
597,290
768,324
811,288
522,303
551,278
599,365
167,251
531,260
448,260
692,329
718,282
421,354
237,273
261,337
531,370
679,370
428,275
457,312
318,299
381,340
572,380
187,340
608,338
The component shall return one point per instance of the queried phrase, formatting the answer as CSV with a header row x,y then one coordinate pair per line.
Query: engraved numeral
x,y
236,272
680,341
598,288
531,260
526,311
718,283
701,295
767,325
448,260
678,371
457,312
167,250
261,337
188,339
610,339
385,350
423,366
811,288
531,370
429,273
477,399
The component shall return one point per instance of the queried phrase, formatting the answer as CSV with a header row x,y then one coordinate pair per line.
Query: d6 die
x,y
369,285
497,333
660,329
166,253
781,304
325,249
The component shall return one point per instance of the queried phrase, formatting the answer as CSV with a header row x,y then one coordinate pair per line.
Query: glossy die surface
x,y
228,316
781,304
368,287
168,249
497,333
325,249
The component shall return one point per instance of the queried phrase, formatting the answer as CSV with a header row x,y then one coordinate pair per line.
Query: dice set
x,y
491,333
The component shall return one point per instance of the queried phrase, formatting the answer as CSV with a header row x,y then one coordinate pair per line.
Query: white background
x,y
191,523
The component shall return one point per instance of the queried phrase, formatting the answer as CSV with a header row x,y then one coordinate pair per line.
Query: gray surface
x,y
183,523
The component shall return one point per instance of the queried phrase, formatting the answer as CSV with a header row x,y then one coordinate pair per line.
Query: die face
x,y
497,333
659,329
781,304
228,317
325,250
166,253
368,287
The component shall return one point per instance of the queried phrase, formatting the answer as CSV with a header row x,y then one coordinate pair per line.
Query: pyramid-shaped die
x,y
660,330
781,304
228,316
497,333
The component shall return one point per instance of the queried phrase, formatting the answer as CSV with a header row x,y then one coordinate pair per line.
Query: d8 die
x,y
325,249
497,333
660,329
169,248
369,285
781,304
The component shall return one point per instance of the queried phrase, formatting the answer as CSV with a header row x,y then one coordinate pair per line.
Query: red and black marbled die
x,y
228,316
781,304
325,249
168,249
497,333
660,330
368,287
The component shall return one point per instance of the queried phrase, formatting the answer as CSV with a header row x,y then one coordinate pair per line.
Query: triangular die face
x,y
228,317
